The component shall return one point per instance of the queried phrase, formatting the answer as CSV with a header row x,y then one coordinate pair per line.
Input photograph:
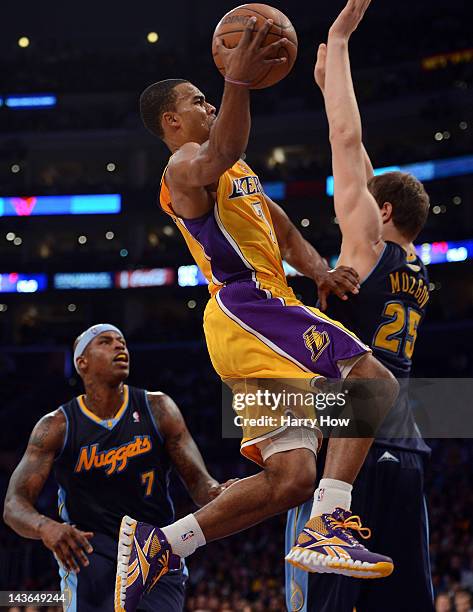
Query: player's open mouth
x,y
121,358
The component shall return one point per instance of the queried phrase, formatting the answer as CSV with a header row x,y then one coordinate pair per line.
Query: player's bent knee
x,y
390,384
297,492
369,368
293,477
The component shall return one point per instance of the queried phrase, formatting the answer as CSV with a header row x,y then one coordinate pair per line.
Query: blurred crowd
x,y
450,500
244,573
98,90
296,94
384,70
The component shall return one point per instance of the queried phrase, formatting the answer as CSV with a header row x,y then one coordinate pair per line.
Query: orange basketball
x,y
230,29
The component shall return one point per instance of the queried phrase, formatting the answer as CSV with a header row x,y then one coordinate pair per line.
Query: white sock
x,y
184,536
331,494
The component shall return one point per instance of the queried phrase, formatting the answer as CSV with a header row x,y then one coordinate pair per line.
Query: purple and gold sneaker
x,y
144,556
327,546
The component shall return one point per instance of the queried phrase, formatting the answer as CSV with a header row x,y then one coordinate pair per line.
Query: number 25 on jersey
x,y
399,332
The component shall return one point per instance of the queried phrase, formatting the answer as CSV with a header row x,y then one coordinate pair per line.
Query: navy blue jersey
x,y
386,315
108,468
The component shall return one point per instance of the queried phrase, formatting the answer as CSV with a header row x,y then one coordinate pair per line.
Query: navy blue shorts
x,y
93,588
389,496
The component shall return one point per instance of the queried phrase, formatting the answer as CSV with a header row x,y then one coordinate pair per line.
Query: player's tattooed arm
x,y
302,256
31,473
68,543
183,450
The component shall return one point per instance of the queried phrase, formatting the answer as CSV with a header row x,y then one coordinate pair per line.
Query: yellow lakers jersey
x,y
234,241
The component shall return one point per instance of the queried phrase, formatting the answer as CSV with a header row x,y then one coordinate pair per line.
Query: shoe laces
x,y
352,522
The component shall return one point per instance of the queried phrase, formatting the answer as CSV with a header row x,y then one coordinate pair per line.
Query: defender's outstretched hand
x,y
349,19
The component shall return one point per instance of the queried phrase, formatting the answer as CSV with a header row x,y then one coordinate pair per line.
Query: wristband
x,y
235,82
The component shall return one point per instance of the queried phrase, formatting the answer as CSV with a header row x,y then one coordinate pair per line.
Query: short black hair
x,y
155,100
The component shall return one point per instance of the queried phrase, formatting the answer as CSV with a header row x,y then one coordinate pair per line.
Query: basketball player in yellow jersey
x,y
254,326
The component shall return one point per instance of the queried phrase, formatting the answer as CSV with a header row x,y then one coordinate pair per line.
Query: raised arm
x,y
302,256
197,165
183,451
356,209
319,75
26,483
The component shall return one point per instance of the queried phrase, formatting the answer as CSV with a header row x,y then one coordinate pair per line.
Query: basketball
x,y
230,29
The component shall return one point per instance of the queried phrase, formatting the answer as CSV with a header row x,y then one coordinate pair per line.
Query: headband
x,y
86,338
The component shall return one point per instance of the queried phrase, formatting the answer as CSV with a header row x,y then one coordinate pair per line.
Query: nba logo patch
x,y
187,536
136,417
320,494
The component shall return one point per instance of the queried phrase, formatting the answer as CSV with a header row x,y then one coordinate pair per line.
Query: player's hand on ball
x,y
68,544
215,490
340,281
249,60
349,19
319,70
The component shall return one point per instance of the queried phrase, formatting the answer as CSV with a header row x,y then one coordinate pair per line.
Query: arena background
x,y
70,126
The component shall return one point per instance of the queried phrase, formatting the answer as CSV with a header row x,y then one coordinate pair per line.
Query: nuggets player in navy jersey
x,y
111,451
379,218
255,327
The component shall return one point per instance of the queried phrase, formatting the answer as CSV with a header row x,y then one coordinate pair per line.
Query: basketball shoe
x,y
144,556
327,546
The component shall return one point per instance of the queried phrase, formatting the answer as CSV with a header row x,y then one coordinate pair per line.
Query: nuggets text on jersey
x,y
115,459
